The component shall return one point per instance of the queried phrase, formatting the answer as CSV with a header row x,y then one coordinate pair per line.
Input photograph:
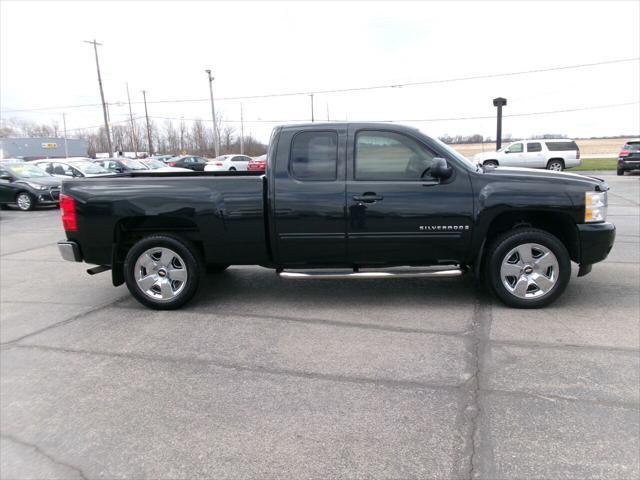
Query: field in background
x,y
603,147
595,164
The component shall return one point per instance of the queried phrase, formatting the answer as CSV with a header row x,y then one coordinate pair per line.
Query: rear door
x,y
397,213
308,196
535,156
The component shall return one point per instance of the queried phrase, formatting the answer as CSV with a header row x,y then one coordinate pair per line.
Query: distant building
x,y
41,147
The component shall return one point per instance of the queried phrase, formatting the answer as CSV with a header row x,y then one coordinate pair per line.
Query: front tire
x,y
162,271
25,201
528,268
490,163
619,172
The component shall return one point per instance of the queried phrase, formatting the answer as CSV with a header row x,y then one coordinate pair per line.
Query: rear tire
x,y
555,165
528,268
490,163
232,169
162,271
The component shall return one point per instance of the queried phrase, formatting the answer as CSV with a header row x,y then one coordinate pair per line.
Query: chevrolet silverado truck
x,y
341,200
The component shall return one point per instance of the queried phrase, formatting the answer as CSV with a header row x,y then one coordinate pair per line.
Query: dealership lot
x,y
262,377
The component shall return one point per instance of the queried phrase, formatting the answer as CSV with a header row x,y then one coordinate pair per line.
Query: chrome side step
x,y
410,273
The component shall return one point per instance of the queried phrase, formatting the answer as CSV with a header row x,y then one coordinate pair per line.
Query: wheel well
x,y
128,231
491,160
559,159
558,224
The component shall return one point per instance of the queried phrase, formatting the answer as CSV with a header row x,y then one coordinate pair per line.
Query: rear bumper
x,y
70,251
596,241
626,165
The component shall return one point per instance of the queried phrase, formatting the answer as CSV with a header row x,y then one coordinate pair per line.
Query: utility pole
x,y
499,102
241,131
216,146
312,119
328,120
64,125
146,114
133,127
104,105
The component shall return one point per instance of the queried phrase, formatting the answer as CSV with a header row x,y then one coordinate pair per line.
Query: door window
x,y
62,169
515,148
314,156
390,156
534,147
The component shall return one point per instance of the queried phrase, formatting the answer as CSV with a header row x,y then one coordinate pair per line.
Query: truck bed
x,y
223,212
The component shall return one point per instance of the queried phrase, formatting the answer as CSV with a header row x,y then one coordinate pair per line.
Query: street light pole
x,y
104,106
213,115
312,119
241,131
499,102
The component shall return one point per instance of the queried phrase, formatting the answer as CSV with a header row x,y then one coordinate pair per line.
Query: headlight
x,y
595,206
36,186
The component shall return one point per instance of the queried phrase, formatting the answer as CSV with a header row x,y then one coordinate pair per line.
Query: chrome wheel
x,y
529,271
555,166
161,274
24,201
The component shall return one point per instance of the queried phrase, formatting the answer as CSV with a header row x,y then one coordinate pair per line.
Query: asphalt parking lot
x,y
262,377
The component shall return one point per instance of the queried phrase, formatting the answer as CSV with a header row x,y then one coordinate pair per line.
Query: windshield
x,y
89,167
133,164
26,171
456,154
154,164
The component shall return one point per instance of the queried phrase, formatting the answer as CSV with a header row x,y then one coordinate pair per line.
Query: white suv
x,y
552,154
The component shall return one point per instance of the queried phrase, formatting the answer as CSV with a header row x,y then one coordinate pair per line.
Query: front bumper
x,y
51,196
596,241
69,251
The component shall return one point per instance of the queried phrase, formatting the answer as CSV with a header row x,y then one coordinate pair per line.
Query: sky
x,y
256,48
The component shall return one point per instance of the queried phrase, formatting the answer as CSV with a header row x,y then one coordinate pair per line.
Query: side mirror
x,y
440,169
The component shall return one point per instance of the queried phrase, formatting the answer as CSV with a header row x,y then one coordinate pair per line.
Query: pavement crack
x,y
217,363
469,418
47,455
63,322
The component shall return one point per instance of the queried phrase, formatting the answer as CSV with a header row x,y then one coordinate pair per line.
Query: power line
x,y
355,89
440,119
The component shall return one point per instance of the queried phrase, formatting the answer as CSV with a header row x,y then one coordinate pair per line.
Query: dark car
x,y
188,161
356,196
122,165
629,157
26,186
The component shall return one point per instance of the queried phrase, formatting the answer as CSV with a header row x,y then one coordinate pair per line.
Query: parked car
x,y
162,158
26,186
188,161
121,165
552,154
394,197
629,157
257,164
66,168
229,163
159,166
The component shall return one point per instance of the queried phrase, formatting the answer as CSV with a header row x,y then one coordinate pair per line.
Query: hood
x,y
546,175
46,181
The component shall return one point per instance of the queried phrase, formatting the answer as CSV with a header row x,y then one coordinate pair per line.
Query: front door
x,y
7,190
308,190
397,213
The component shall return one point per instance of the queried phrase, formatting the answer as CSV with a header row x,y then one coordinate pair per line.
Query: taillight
x,y
578,155
624,153
172,164
218,164
68,210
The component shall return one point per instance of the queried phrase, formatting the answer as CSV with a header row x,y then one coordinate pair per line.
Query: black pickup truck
x,y
342,200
